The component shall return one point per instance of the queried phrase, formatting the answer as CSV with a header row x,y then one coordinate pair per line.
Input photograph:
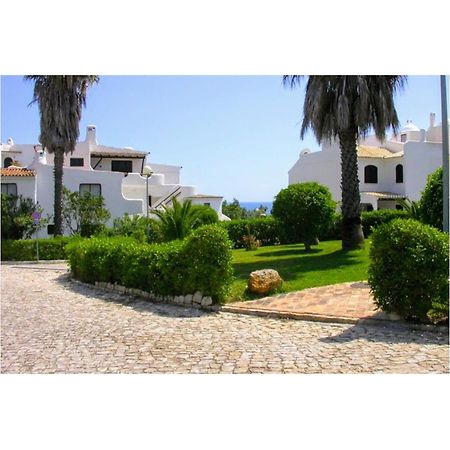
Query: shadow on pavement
x,y
137,303
390,333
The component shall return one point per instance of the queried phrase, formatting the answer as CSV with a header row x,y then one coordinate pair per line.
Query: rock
x,y
206,301
188,299
197,298
263,281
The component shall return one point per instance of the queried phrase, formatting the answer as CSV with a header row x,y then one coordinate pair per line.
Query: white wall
x,y
25,185
420,159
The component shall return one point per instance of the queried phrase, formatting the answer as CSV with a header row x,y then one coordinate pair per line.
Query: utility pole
x,y
445,151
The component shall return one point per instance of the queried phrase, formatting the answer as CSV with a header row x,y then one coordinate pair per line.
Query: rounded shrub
x,y
205,215
408,270
372,219
304,211
432,200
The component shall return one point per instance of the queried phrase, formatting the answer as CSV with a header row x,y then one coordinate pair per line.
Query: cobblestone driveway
x,y
52,325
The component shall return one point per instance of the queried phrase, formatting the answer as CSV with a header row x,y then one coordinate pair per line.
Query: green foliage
x,y
408,271
372,219
17,221
411,207
265,229
25,250
178,221
431,201
201,262
85,214
304,210
205,215
334,230
137,227
235,211
251,243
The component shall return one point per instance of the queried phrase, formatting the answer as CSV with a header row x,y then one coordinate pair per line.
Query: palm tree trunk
x,y
58,174
352,234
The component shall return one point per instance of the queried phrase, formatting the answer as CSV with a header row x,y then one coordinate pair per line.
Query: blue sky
x,y
235,136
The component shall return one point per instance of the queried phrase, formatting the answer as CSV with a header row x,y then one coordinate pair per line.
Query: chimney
x,y
432,119
91,135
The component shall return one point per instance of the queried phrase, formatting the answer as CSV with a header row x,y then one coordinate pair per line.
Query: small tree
x,y
431,201
234,210
304,210
17,221
205,215
84,214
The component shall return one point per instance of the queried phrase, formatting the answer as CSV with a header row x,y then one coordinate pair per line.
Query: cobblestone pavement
x,y
53,325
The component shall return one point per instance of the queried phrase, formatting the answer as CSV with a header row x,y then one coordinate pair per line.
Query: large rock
x,y
263,281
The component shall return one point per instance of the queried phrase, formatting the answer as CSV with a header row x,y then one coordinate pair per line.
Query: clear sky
x,y
235,136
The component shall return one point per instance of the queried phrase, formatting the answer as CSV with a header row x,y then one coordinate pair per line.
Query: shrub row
x,y
201,262
25,249
269,231
266,230
408,271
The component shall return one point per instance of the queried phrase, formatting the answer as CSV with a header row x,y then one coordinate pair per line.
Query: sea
x,y
254,205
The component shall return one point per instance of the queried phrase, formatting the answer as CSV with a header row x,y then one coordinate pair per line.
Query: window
x,y
94,189
370,174
403,137
9,188
122,166
50,228
149,200
7,162
76,162
207,204
399,173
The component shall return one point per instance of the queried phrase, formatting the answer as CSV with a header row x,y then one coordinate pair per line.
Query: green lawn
x,y
326,264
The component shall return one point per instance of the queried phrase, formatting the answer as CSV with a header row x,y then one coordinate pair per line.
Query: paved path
x,y
345,302
52,325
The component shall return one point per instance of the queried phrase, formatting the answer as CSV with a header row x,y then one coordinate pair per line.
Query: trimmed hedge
x,y
266,230
408,271
372,219
25,249
201,262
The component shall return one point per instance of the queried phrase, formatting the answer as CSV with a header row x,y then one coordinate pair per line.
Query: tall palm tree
x,y
347,107
60,99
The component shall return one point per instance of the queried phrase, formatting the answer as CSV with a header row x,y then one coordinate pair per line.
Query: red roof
x,y
14,172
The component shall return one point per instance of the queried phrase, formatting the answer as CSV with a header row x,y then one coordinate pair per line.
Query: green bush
x,y
408,271
266,230
431,201
205,215
25,249
136,227
372,219
201,262
304,211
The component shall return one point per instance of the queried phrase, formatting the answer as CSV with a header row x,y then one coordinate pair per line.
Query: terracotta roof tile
x,y
16,172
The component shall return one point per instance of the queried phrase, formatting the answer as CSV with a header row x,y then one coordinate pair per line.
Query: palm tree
x,y
60,99
347,107
177,222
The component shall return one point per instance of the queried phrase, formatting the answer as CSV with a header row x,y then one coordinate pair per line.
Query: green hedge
x,y
201,262
265,229
25,249
408,271
372,219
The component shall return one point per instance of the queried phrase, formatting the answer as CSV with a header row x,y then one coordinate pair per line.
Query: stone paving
x,y
344,302
50,324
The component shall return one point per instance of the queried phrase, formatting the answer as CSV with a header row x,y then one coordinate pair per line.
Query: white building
x,y
114,173
388,171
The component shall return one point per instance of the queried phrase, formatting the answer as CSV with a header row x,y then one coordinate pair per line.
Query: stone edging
x,y
196,300
41,261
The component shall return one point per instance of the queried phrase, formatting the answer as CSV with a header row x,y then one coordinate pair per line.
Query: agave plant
x,y
178,221
411,207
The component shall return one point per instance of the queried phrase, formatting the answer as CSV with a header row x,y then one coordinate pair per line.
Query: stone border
x,y
41,261
196,300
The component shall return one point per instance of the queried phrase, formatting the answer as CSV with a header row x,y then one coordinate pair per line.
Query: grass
x,y
326,264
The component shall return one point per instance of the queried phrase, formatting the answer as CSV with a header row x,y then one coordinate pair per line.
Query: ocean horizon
x,y
254,205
